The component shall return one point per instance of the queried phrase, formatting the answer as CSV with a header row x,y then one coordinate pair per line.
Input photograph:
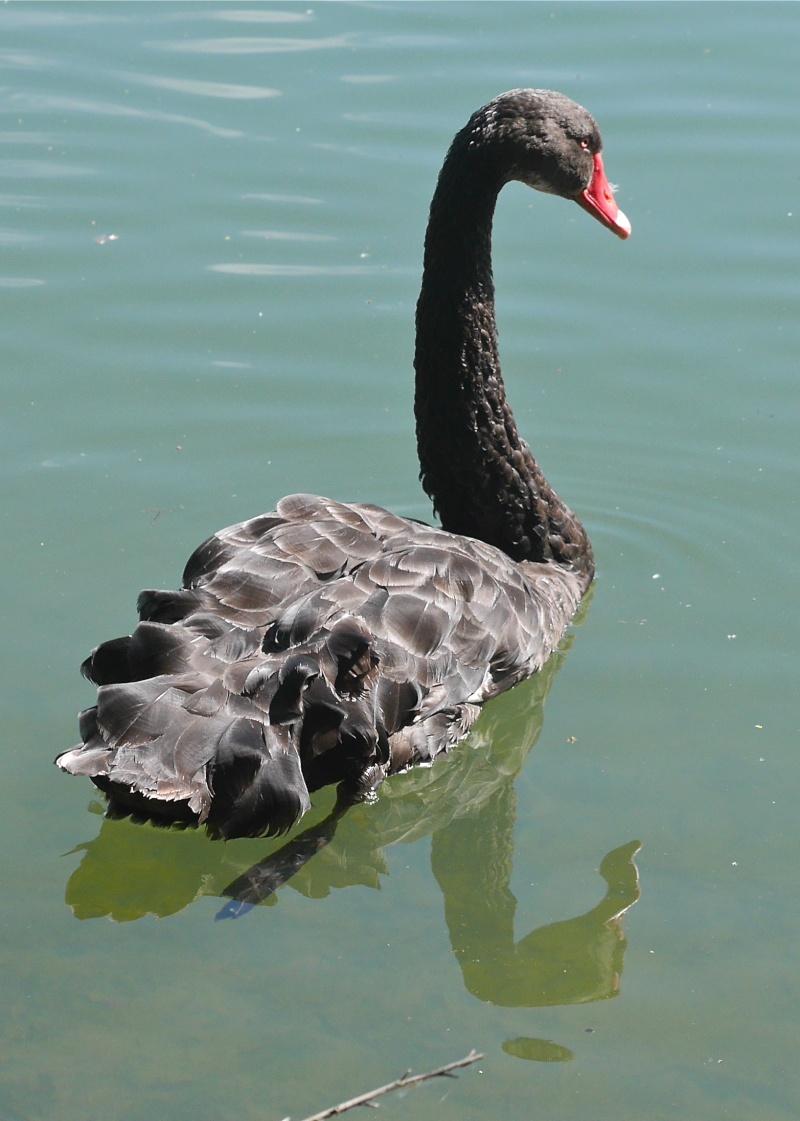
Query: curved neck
x,y
480,474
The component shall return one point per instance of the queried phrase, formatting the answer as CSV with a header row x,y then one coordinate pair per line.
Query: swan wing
x,y
322,642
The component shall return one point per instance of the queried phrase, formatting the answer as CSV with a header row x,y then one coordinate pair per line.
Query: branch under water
x,y
402,1083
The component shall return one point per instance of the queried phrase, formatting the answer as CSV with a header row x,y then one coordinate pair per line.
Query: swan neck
x,y
479,473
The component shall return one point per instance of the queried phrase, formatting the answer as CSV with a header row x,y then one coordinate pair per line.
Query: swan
x,y
331,642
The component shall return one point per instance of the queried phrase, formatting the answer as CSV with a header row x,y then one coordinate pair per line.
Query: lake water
x,y
211,219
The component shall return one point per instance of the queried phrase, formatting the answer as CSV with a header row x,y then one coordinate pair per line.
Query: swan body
x,y
331,642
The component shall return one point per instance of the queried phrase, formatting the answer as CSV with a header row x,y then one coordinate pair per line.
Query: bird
x,y
330,642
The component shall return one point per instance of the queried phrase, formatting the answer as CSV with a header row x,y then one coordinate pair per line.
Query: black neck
x,y
480,474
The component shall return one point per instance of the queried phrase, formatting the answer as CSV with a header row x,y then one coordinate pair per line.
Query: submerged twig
x,y
402,1083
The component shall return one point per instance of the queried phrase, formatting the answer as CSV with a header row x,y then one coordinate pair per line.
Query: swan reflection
x,y
467,804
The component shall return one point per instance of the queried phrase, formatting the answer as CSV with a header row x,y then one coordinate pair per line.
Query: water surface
x,y
211,220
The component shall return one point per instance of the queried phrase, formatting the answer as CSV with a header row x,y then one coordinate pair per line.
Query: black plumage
x,y
331,642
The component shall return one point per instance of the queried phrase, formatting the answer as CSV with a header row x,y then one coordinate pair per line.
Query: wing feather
x,y
323,642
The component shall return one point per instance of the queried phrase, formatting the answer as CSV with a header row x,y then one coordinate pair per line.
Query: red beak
x,y
598,199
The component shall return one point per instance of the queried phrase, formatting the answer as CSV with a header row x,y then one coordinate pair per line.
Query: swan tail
x,y
256,782
163,752
235,751
109,662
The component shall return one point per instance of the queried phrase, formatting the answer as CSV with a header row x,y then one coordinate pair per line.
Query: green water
x,y
210,239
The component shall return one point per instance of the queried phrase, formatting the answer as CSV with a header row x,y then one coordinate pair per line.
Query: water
x,y
211,221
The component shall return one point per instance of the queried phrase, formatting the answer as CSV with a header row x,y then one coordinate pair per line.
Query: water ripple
x,y
254,45
22,60
40,169
239,15
239,269
53,102
20,282
226,90
17,237
280,235
11,137
367,79
304,200
22,202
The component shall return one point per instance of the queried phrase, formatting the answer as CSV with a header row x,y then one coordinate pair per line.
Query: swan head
x,y
545,140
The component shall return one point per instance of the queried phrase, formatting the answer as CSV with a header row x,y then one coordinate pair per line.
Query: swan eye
x,y
585,145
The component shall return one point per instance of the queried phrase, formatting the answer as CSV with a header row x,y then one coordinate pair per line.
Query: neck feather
x,y
480,474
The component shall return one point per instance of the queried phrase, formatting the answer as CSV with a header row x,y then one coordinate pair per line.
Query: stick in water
x,y
408,1079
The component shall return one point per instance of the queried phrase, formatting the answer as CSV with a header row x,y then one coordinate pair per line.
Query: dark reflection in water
x,y
467,803
571,962
537,1050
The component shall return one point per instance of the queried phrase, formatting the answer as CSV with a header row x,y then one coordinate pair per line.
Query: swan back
x,y
320,643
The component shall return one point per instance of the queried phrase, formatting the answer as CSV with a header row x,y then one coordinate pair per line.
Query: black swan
x,y
330,642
